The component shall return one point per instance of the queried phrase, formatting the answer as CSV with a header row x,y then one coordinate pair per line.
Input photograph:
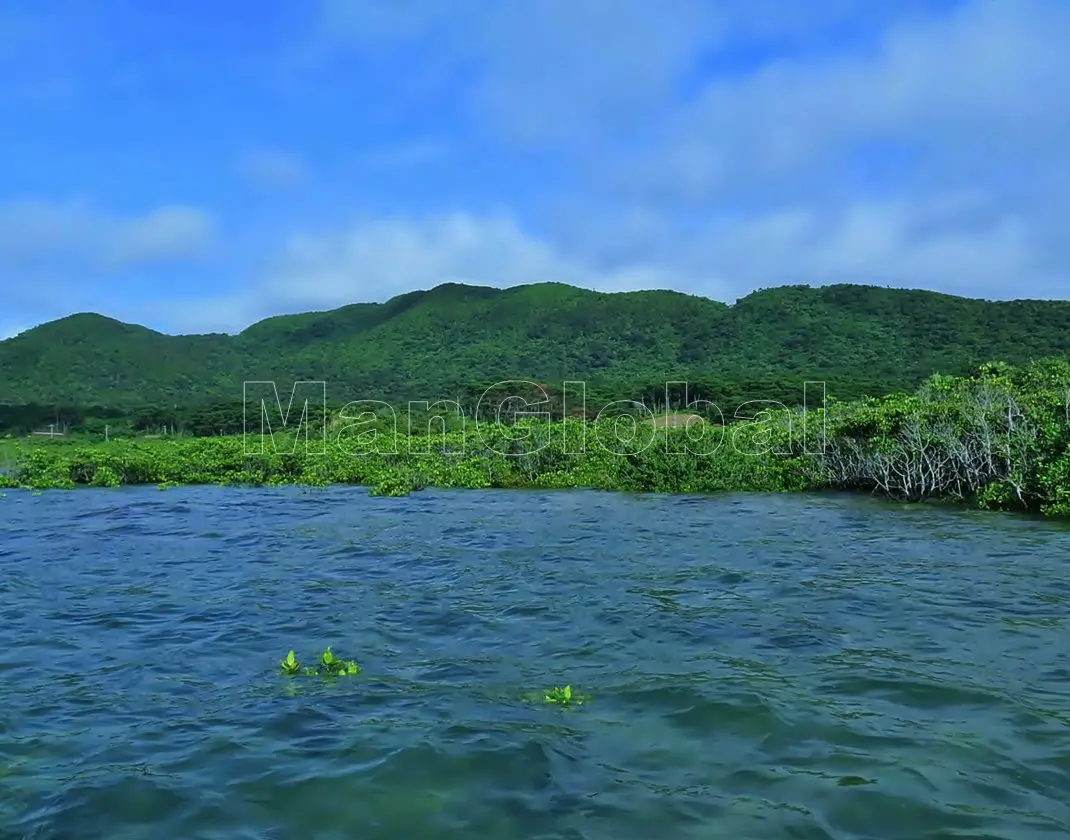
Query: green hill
x,y
454,338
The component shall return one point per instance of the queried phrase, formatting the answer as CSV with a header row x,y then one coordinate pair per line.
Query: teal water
x,y
759,667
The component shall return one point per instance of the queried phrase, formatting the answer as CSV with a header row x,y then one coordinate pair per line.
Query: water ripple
x,y
761,666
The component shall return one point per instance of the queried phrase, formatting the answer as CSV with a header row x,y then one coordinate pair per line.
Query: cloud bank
x,y
725,147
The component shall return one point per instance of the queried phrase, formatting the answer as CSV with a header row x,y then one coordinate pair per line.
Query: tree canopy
x,y
454,340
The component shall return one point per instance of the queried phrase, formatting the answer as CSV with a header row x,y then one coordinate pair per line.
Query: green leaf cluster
x,y
328,666
558,696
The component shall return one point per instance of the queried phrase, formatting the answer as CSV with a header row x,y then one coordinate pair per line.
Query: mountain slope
x,y
436,343
89,359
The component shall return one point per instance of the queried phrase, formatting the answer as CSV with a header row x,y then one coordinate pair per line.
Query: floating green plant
x,y
328,666
564,697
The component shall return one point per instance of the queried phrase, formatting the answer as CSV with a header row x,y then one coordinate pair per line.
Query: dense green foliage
x,y
998,438
527,454
451,342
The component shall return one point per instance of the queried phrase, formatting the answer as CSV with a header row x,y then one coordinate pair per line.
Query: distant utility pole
x,y
105,432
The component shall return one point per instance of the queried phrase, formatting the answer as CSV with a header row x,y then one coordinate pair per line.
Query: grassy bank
x,y
998,439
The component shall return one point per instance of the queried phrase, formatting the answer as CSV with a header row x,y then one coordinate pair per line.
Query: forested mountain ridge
x,y
436,343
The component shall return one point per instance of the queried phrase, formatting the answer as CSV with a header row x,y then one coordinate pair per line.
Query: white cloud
x,y
780,170
893,243
974,96
275,169
556,69
379,259
720,148
927,152
560,70
376,260
890,243
162,235
35,235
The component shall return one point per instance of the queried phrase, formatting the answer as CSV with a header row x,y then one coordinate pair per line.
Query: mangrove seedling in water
x,y
290,665
329,666
564,697
335,667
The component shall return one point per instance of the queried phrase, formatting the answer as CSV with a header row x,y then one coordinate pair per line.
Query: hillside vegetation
x,y
454,340
999,438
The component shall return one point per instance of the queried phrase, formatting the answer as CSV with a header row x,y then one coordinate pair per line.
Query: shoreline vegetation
x,y
996,439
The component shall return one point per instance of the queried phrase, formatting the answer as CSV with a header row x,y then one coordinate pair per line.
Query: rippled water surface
x,y
758,666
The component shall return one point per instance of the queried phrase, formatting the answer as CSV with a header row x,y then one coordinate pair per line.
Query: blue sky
x,y
197,166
